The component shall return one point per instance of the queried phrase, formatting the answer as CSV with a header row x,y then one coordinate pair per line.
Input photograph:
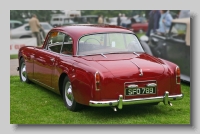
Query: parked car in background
x,y
25,32
140,24
99,66
68,21
112,21
15,24
64,19
174,46
126,22
86,19
136,23
60,20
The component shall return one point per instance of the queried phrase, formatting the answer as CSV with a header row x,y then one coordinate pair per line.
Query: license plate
x,y
140,91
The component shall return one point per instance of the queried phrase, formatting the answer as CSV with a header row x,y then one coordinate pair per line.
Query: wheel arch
x,y
20,57
61,80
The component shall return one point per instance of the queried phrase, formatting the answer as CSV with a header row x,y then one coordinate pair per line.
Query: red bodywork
x,y
116,71
139,26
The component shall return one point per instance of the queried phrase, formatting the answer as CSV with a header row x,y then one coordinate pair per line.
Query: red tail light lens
x,y
178,75
97,81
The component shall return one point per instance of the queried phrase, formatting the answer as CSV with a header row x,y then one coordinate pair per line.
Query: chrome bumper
x,y
119,103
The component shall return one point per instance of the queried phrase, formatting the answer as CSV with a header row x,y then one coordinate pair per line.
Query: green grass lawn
x,y
139,34
32,104
13,56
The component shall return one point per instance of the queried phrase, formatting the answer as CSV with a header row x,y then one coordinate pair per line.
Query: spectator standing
x,y
184,14
35,28
119,19
165,21
153,23
100,19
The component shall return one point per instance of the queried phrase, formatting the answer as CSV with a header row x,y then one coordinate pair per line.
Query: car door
x,y
47,58
177,50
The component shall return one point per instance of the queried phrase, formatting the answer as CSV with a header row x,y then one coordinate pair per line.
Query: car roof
x,y
187,22
15,21
39,22
78,30
88,16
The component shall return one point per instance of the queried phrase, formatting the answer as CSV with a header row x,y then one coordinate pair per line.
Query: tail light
x,y
178,75
97,81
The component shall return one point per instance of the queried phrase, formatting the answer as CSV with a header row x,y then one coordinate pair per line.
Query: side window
x,y
11,27
27,28
55,42
67,45
178,31
17,25
55,19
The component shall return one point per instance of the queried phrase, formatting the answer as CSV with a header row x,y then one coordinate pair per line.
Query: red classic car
x,y
140,24
99,66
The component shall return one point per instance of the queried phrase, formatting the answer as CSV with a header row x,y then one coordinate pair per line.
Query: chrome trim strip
x,y
95,81
132,86
44,85
136,54
140,70
151,85
166,99
103,55
120,102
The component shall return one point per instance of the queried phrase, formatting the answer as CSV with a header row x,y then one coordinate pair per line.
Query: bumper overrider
x,y
119,103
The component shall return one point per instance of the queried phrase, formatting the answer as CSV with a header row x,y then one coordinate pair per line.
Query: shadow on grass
x,y
126,111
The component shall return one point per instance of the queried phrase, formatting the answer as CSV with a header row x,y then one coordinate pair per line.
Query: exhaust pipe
x,y
169,103
114,108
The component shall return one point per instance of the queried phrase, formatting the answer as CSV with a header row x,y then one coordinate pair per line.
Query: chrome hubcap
x,y
23,72
68,94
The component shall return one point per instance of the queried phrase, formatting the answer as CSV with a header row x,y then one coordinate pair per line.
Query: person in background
x,y
153,21
119,19
35,28
184,14
164,22
100,19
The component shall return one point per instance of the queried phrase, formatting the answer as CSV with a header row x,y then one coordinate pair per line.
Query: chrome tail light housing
x,y
97,81
178,75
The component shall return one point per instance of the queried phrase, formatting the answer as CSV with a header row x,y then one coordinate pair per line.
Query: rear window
x,y
108,43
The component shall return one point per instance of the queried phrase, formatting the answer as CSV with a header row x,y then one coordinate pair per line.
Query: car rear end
x,y
130,87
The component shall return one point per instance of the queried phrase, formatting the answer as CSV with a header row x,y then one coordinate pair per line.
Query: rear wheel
x,y
68,97
22,71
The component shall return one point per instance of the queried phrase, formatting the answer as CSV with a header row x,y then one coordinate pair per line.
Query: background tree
x,y
43,15
106,13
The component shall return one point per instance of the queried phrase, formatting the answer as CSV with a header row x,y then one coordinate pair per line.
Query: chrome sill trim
x,y
119,103
42,84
